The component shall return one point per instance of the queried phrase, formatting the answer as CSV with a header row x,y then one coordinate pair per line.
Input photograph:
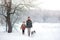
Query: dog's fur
x,y
33,32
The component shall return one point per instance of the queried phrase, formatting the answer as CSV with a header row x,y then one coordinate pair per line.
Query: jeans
x,y
29,31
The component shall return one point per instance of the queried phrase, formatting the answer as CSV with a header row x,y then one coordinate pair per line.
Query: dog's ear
x,y
34,31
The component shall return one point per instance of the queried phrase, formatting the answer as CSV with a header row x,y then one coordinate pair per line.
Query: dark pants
x,y
23,31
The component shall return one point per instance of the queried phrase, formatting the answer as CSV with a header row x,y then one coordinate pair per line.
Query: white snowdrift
x,y
44,31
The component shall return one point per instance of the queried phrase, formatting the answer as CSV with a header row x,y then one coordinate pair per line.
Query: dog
x,y
33,32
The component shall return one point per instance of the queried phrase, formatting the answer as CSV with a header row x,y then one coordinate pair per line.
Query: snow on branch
x,y
3,15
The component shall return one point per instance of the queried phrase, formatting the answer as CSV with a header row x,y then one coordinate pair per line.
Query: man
x,y
29,25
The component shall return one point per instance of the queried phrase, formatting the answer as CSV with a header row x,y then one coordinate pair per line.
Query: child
x,y
23,27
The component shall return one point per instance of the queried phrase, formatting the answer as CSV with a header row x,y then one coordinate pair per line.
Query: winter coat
x,y
28,24
23,26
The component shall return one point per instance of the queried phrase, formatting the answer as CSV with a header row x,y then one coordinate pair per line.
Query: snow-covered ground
x,y
44,31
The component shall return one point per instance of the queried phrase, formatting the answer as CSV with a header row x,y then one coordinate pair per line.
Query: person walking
x,y
23,26
29,25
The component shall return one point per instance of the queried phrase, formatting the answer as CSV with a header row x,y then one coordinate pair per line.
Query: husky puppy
x,y
33,32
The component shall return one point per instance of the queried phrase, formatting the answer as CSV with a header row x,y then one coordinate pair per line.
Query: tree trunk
x,y
8,16
9,23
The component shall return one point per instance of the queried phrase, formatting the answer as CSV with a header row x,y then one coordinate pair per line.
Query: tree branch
x,y
15,21
2,11
3,15
17,7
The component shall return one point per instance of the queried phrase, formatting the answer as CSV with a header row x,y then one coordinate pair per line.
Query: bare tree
x,y
8,8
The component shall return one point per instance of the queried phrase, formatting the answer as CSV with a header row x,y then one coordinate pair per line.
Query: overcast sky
x,y
50,4
45,4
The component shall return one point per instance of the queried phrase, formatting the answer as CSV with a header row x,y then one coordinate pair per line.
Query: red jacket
x,y
23,26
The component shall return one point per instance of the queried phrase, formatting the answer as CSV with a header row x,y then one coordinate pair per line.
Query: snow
x,y
44,31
